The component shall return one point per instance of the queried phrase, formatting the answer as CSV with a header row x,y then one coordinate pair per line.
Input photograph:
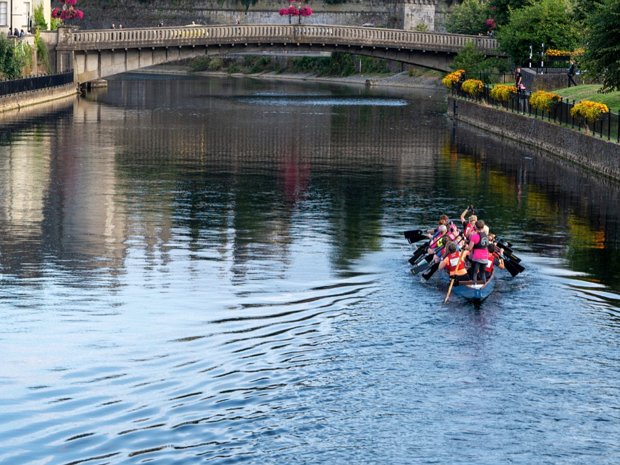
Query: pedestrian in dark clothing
x,y
570,73
519,80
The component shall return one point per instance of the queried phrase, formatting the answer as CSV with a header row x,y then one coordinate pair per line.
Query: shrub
x,y
39,18
450,80
503,92
588,110
472,87
43,58
544,101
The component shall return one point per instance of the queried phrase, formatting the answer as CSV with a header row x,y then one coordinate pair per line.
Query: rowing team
x,y
468,255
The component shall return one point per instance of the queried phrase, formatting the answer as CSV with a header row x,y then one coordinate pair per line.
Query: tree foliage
x,y
547,22
468,18
500,9
602,56
39,18
476,64
9,64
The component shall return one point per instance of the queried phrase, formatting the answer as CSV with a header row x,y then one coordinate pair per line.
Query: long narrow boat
x,y
474,292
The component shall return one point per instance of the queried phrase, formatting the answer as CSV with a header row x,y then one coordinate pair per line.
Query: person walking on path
x,y
570,73
519,80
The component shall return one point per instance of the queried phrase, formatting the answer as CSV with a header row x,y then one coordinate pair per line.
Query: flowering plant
x,y
552,52
503,92
544,101
295,9
67,10
472,86
588,110
450,80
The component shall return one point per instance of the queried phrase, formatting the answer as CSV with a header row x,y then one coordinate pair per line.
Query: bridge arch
x,y
95,54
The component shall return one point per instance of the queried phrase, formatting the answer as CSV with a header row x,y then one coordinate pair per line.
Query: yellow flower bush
x,y
544,101
450,80
503,92
472,87
552,52
588,110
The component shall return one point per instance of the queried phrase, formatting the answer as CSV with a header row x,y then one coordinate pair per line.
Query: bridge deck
x,y
111,39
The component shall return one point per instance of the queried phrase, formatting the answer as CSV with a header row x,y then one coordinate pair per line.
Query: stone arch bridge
x,y
95,54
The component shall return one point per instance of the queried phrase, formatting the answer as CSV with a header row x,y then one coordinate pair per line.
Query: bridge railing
x,y
71,39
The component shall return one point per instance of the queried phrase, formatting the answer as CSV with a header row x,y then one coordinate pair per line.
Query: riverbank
x,y
35,97
592,153
403,79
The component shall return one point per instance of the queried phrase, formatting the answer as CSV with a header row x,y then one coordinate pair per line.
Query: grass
x,y
590,92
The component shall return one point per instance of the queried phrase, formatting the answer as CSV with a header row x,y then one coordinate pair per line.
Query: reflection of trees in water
x,y
554,206
350,155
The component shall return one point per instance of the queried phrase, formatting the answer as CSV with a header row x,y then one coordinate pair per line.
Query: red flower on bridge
x,y
67,10
295,9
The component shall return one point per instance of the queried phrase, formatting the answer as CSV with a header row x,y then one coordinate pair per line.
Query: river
x,y
212,270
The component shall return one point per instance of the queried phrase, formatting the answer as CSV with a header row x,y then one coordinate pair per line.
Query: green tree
x,y
39,18
468,18
602,56
500,9
547,22
477,65
248,3
9,64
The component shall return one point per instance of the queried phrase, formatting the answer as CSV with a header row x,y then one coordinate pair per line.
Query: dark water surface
x,y
212,271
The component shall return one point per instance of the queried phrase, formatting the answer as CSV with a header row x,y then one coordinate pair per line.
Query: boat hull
x,y
474,292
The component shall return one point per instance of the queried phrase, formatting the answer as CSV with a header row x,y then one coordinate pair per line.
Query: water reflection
x,y
195,273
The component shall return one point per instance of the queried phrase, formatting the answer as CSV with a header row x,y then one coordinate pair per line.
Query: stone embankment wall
x,y
407,14
25,99
593,153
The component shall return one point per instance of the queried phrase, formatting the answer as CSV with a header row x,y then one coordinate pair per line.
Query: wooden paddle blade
x,y
414,235
449,290
431,271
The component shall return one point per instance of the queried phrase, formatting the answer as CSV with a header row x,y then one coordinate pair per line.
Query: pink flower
x,y
56,13
305,11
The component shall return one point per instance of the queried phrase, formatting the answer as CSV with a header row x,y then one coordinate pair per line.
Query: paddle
x,y
507,246
417,254
415,235
431,271
423,264
512,267
453,278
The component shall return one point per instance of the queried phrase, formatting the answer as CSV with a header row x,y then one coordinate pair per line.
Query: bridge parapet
x,y
111,39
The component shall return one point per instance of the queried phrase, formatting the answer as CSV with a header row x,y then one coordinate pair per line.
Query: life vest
x,y
453,266
490,264
468,230
438,242
453,231
483,243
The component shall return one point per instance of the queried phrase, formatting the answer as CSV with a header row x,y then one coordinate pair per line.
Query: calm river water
x,y
213,271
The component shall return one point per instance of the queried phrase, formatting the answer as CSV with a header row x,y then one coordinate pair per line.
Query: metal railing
x,y
16,86
606,127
